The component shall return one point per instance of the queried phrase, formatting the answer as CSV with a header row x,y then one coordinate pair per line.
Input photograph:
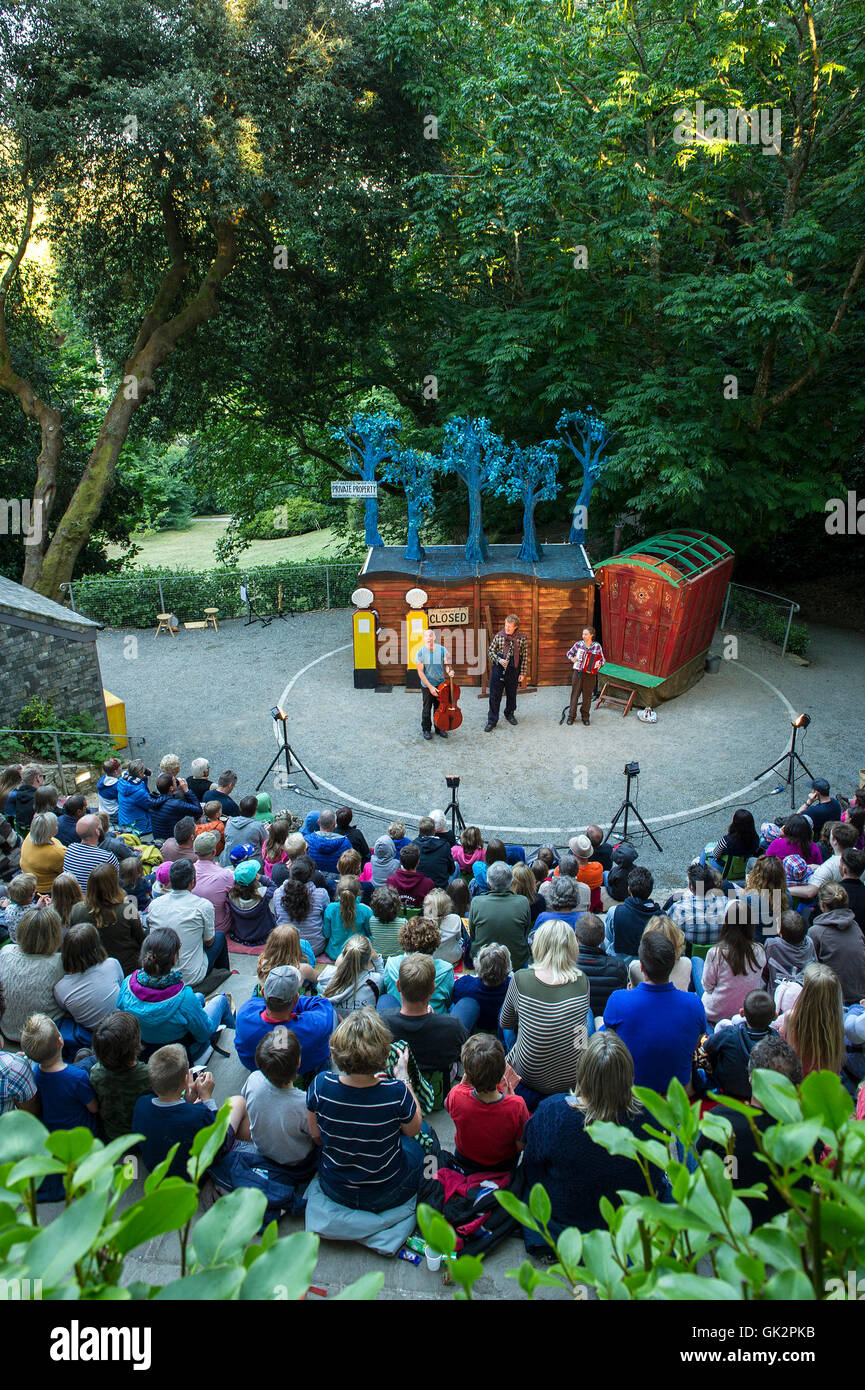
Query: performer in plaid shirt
x,y
509,654
587,658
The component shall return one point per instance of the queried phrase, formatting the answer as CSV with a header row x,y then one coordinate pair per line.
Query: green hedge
x,y
294,517
766,621
135,602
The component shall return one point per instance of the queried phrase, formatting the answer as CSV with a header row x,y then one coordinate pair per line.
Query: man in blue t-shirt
x,y
659,1024
432,661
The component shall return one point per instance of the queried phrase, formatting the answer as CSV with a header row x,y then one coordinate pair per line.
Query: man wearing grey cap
x,y
311,1019
212,882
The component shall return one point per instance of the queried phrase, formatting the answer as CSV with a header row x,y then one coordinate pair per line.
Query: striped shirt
x,y
361,1134
80,860
552,1029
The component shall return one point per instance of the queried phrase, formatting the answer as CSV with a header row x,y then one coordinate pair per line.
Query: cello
x,y
448,714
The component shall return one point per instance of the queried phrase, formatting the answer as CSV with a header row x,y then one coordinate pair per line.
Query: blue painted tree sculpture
x,y
370,439
472,450
413,470
588,438
529,476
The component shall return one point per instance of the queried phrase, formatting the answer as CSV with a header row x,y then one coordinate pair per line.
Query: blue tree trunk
x,y
413,547
529,548
578,531
476,545
370,516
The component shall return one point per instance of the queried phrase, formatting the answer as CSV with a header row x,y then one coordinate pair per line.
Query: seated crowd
x,y
527,996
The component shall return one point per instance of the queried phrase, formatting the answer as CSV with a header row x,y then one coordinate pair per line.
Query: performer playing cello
x,y
587,658
432,659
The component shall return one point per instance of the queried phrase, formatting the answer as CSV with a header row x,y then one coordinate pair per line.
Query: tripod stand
x,y
285,749
628,806
453,810
791,757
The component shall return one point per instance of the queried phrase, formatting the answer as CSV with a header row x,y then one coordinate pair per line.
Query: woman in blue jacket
x,y
168,1011
135,800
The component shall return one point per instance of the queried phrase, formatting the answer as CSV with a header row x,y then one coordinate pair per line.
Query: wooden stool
x,y
210,618
618,700
197,624
164,624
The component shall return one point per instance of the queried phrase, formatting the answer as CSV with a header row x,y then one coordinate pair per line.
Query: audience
x,y
198,780
838,942
166,1008
789,953
436,861
344,918
729,1049
66,1098
84,855
732,968
563,901
91,978
659,1024
203,950
356,837
19,801
118,1076
181,1105
419,936
435,1039
605,973
212,881
469,851
22,895
285,946
173,802
114,914
385,923
355,980
29,970
489,1121
407,881
852,868
135,800
326,844
311,1019
814,1026
626,922
250,906
682,970
478,998
74,807
438,907
42,854
699,909
302,902
182,844
276,1108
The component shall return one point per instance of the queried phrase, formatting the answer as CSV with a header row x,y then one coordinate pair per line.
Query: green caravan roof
x,y
677,556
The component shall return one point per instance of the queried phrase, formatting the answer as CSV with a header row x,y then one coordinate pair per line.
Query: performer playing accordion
x,y
587,658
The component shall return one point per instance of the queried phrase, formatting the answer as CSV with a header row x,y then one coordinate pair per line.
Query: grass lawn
x,y
193,548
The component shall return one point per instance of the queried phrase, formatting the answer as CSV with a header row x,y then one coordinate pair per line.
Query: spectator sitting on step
x,y
624,858
729,1048
604,972
173,801
478,998
496,852
385,922
135,800
22,896
10,849
435,1038
438,908
740,841
181,1106
115,915
355,980
212,882
842,836
852,868
380,866
602,849
626,922
181,845
84,855
681,975
67,1098
285,946
814,1026
733,967
790,953
346,917
469,851
300,901
565,901
42,854
91,978
659,1024
311,1018
250,905
243,829
820,806
65,894
500,915
396,831
47,798
29,970
203,950
545,1014
167,1009
525,883
408,882
419,936
74,807
199,778
489,1121
276,1107
839,942
222,792
590,871
19,806
212,824
114,844
133,882
699,909
766,893
325,845
436,861
796,838
356,837
10,778
273,850
118,1076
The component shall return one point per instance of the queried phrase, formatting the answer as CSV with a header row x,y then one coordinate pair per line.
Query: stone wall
x,y
52,667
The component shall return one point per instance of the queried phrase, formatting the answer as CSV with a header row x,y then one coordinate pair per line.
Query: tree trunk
x,y
413,547
370,516
529,549
578,523
155,342
476,545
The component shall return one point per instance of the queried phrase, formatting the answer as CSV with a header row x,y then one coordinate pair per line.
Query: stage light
x,y
631,770
81,778
277,713
801,721
452,781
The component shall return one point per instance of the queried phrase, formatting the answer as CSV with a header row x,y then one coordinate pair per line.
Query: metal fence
x,y
133,600
64,750
768,615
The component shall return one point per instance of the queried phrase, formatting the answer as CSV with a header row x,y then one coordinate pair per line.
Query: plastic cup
x,y
433,1258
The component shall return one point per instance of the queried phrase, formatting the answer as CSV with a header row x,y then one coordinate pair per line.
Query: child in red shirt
x,y
489,1122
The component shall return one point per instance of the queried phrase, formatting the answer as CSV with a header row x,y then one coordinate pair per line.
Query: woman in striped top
x,y
365,1121
548,1004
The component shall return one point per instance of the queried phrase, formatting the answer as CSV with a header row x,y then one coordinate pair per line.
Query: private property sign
x,y
354,489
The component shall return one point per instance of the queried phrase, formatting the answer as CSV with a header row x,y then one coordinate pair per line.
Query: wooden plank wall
x,y
551,615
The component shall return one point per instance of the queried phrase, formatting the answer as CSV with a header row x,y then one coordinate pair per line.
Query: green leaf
x,y
777,1094
21,1135
167,1209
70,1145
466,1270
207,1143
616,1139
157,1177
698,1288
37,1166
823,1096
539,1205
206,1286
790,1285
788,1144
435,1230
569,1248
269,1235
657,1106
223,1232
71,1236
100,1157
777,1247
284,1271
363,1290
517,1209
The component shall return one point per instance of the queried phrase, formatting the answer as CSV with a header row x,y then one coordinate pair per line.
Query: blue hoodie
x,y
325,848
165,1016
167,810
134,804
312,1023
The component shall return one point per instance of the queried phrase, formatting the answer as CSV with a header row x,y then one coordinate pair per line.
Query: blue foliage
x,y
370,440
473,451
413,471
588,438
529,476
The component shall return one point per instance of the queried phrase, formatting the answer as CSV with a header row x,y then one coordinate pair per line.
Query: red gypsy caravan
x,y
660,604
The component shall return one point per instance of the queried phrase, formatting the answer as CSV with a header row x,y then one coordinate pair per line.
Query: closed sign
x,y
448,617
